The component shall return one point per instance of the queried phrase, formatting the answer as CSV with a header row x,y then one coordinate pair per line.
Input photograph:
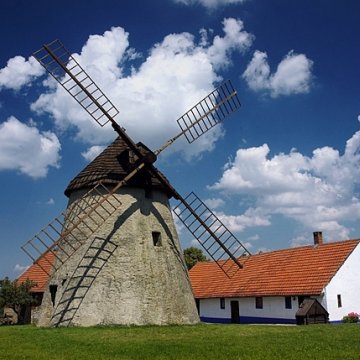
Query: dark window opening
x,y
126,159
235,312
148,192
156,236
222,303
37,297
197,302
339,301
259,302
53,290
147,181
288,304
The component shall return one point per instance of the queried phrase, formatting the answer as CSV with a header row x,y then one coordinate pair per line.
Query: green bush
x,y
352,317
16,295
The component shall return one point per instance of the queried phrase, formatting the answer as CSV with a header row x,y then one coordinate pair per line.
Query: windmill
x,y
117,255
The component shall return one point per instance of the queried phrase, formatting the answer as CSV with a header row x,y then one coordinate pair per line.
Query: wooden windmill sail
x,y
118,258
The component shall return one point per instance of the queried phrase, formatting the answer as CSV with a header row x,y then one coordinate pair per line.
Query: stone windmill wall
x,y
131,271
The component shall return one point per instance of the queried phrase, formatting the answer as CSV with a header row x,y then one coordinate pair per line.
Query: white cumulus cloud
x,y
92,152
20,268
210,4
235,39
292,76
177,73
51,201
251,218
215,203
318,191
26,149
19,72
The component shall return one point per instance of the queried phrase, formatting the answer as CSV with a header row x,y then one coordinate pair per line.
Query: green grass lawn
x,y
182,342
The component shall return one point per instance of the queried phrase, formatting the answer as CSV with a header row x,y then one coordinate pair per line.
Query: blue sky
x,y
286,164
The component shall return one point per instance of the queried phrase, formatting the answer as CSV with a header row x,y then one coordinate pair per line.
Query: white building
x,y
271,286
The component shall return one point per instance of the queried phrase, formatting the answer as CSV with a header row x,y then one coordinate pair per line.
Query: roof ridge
x,y
309,246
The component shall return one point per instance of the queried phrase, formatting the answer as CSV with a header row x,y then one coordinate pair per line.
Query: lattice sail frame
x,y
68,73
212,234
63,235
207,113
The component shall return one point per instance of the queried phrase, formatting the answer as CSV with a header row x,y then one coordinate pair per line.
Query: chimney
x,y
318,238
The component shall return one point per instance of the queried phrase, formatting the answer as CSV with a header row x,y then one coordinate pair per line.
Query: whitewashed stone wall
x,y
140,283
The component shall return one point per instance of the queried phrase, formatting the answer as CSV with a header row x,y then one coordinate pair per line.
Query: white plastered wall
x,y
345,283
273,308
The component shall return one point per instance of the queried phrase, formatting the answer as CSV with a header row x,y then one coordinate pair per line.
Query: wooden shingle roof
x,y
310,306
297,271
37,274
111,166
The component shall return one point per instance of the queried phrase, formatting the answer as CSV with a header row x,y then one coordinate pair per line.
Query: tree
x,y
16,295
1,305
192,255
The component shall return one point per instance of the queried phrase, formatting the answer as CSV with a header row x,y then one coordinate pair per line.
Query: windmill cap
x,y
112,165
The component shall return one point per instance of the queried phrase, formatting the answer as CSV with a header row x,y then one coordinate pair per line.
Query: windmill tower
x,y
118,257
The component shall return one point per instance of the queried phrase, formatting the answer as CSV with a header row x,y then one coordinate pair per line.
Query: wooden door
x,y
235,313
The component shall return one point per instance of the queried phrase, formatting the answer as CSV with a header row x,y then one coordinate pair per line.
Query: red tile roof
x,y
37,274
297,271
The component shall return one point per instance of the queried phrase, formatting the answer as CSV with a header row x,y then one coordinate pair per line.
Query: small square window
x,y
288,304
222,303
259,302
339,302
156,236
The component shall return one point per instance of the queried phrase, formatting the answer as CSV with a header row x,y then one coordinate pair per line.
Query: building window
x,y
197,302
222,303
156,236
288,304
259,302
53,290
339,301
37,297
